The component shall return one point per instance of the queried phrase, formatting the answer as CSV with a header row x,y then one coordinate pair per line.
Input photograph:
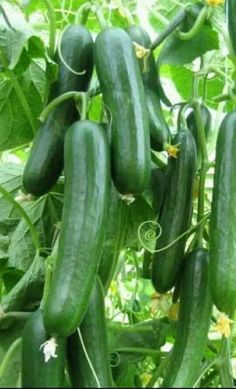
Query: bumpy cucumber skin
x,y
114,238
87,190
193,323
147,67
94,336
45,162
36,373
176,213
123,93
231,12
223,216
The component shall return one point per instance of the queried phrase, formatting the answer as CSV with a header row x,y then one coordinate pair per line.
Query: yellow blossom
x,y
174,312
172,150
215,3
223,325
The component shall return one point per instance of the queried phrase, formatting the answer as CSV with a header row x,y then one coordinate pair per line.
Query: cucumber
x,y
94,337
206,119
193,323
87,186
45,162
159,130
114,238
176,213
148,65
231,12
222,220
123,93
36,373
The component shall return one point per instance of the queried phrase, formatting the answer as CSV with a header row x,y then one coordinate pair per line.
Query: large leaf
x,y
10,179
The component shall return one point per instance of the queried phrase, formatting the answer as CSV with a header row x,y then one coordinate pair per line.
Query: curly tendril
x,y
63,59
151,235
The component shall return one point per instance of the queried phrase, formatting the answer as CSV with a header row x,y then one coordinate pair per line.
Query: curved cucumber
x,y
94,339
114,238
223,216
36,373
231,12
45,162
193,323
123,93
87,173
176,213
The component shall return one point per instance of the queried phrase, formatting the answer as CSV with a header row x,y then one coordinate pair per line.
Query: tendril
x,y
150,235
63,59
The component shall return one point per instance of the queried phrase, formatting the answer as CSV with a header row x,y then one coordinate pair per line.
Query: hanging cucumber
x,y
231,12
36,373
159,130
114,238
193,323
87,185
176,213
123,93
45,162
92,337
223,216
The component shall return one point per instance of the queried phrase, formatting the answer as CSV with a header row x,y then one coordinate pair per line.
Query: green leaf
x,y
179,52
10,179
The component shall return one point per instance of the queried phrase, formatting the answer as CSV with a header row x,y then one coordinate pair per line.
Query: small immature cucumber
x,y
223,216
87,190
176,213
93,334
36,373
123,93
45,162
193,323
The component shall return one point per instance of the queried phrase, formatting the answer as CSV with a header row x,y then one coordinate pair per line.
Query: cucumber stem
x,y
100,17
58,100
204,157
8,356
225,368
52,28
82,14
203,14
173,24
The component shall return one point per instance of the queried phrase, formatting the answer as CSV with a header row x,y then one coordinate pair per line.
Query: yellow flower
x,y
174,312
215,3
172,150
223,325
140,51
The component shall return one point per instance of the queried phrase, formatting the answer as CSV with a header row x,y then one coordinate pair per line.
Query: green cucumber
x,y
222,220
45,162
231,12
193,322
147,65
206,119
114,238
123,93
94,338
36,373
87,185
159,130
176,213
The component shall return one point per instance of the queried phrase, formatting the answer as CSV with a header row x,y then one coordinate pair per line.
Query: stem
x,y
58,100
100,17
24,215
83,99
82,14
53,27
16,315
175,22
204,156
139,350
205,370
47,284
196,27
8,356
18,90
225,368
